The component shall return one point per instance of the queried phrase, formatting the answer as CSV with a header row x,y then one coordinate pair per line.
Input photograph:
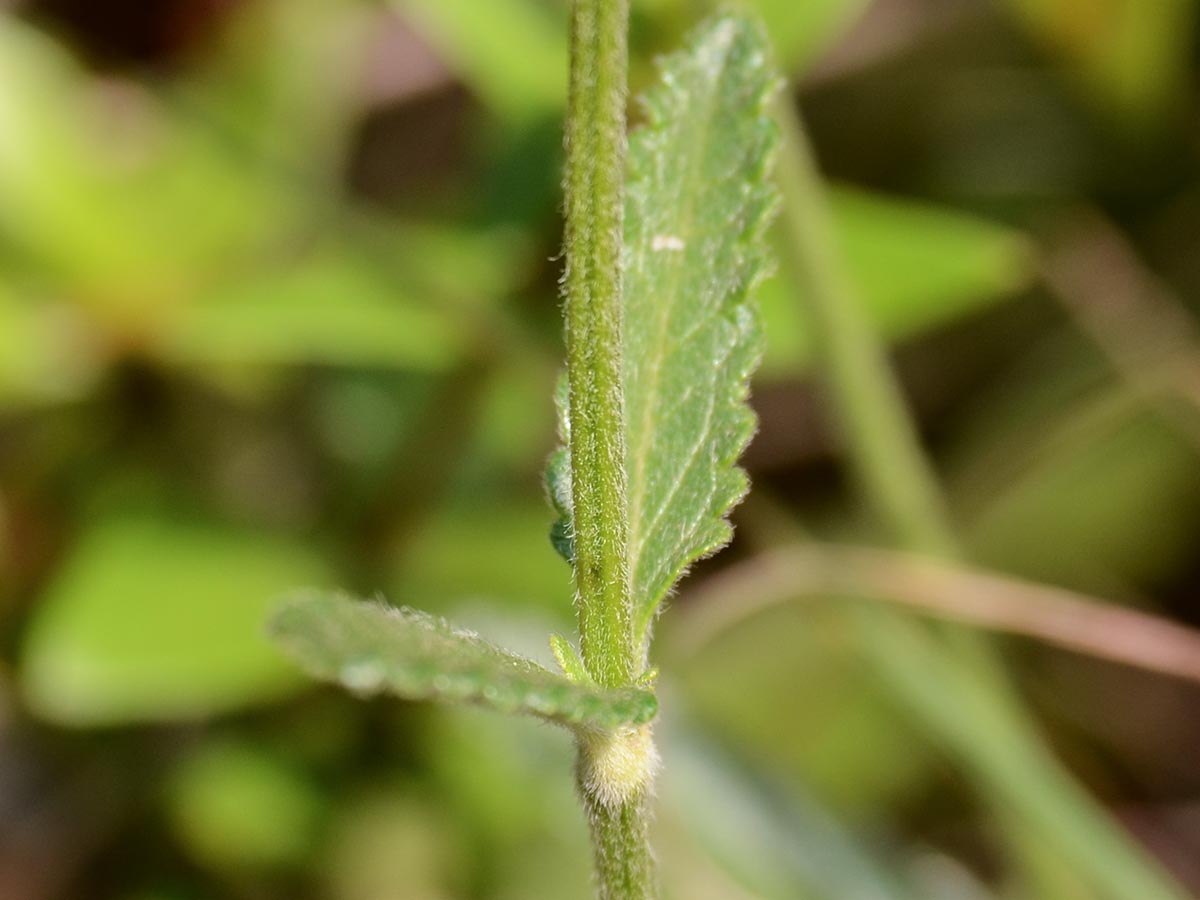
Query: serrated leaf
x,y
698,203
369,648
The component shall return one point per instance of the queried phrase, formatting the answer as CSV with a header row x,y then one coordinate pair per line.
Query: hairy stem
x,y
595,140
624,865
615,769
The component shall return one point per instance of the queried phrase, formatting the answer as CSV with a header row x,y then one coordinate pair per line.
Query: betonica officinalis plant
x,y
664,243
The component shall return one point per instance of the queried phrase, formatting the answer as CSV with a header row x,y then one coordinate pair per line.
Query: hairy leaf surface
x,y
372,648
698,202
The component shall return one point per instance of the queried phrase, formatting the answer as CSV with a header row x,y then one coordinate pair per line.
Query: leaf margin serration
x,y
370,647
739,44
729,34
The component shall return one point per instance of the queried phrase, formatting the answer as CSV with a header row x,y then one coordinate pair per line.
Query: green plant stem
x,y
595,141
621,845
615,790
948,680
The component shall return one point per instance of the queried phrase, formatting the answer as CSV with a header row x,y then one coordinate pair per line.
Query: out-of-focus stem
x,y
953,685
879,434
949,591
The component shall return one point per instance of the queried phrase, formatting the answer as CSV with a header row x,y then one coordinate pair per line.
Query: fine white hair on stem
x,y
617,766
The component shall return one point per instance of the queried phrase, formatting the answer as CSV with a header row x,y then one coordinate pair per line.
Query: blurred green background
x,y
278,307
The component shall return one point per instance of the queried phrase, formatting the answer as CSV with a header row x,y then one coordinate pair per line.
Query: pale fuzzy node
x,y
666,242
616,766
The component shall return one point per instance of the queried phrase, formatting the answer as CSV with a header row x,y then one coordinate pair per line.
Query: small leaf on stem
x,y
371,648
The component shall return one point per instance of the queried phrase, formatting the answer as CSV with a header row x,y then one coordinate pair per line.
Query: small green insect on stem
x,y
645,483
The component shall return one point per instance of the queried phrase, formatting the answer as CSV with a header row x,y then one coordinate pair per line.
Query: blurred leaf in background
x,y
1130,57
236,806
153,619
293,263
916,267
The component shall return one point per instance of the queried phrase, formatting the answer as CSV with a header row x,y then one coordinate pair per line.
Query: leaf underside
x,y
371,648
699,199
